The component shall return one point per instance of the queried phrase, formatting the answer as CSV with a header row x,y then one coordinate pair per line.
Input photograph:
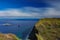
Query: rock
x,y
32,35
8,37
48,29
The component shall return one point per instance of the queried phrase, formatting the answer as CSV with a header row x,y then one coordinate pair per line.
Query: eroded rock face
x,y
32,35
47,29
8,37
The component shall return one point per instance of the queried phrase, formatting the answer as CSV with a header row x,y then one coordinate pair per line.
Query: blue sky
x,y
29,8
22,3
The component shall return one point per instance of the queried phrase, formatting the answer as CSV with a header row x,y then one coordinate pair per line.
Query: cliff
x,y
47,29
8,37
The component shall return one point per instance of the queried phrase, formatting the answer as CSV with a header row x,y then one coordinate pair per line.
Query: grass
x,y
8,37
48,28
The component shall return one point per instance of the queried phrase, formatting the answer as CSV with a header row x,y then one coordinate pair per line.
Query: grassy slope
x,y
48,29
8,37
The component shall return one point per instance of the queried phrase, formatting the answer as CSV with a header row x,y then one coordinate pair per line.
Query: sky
x,y
30,9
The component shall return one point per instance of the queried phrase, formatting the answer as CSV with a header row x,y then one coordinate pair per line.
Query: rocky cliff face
x,y
47,29
32,35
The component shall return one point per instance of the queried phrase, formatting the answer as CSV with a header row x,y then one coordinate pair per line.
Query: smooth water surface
x,y
21,28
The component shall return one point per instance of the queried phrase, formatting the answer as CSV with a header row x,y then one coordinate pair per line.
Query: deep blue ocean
x,y
20,27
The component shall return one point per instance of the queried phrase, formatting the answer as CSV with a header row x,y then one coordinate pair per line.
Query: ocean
x,y
20,27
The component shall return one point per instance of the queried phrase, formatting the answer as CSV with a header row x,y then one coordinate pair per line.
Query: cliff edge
x,y
47,29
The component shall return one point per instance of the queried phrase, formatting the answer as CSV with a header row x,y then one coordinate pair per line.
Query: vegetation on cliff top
x,y
8,37
48,29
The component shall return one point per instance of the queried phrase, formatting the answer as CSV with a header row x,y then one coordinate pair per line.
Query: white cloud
x,y
43,12
33,12
16,12
30,12
51,12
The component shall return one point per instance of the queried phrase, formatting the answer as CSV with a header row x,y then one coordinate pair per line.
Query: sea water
x,y
21,28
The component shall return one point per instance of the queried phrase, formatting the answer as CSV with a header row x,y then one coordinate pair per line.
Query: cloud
x,y
54,3
30,12
17,13
33,12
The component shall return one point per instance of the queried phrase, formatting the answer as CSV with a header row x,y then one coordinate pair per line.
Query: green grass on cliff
x,y
48,29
